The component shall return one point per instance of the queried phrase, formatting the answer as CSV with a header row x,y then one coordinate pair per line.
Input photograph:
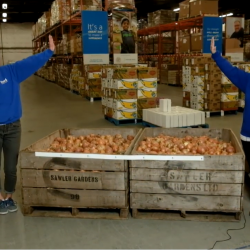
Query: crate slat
x,y
74,179
74,198
185,202
183,188
171,175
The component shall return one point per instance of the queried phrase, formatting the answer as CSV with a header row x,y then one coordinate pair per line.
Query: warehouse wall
x,y
15,42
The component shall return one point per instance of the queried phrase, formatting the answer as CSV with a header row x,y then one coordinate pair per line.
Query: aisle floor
x,y
46,108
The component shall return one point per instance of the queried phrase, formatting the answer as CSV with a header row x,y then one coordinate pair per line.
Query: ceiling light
x,y
4,20
230,14
177,9
223,16
4,6
4,14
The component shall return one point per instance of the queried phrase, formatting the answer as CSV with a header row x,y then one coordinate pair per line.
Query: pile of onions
x,y
167,145
92,144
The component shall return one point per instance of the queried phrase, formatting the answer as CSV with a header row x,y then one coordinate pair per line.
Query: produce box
x,y
201,7
64,186
206,190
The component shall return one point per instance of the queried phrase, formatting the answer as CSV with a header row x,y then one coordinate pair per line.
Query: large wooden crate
x,y
192,190
68,187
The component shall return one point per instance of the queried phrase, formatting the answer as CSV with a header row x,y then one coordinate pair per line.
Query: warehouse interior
x,y
48,107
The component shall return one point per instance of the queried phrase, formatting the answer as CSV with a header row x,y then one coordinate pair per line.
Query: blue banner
x,y
212,27
95,42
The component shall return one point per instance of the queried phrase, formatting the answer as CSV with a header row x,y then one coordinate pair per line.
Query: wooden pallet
x,y
66,212
221,113
150,125
204,15
185,215
94,98
123,122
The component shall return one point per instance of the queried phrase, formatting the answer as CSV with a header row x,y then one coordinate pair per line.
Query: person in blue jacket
x,y
10,113
240,79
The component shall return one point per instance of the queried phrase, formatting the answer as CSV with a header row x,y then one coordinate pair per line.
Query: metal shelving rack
x,y
175,28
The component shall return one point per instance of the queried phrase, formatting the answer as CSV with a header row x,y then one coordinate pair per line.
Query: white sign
x,y
125,58
96,58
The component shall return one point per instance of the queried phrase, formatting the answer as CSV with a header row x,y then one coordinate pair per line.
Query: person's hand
x,y
51,43
212,47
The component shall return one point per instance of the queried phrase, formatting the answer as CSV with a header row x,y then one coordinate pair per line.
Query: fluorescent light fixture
x,y
177,9
4,6
4,20
230,14
223,16
4,14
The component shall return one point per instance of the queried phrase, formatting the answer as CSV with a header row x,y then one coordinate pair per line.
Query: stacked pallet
x,y
127,91
93,81
64,71
189,9
76,76
60,11
161,17
86,5
205,88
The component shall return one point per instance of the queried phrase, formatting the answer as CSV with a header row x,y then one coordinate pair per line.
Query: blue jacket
x,y
240,79
10,78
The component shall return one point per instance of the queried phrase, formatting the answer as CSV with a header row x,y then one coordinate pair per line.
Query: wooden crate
x,y
192,190
78,185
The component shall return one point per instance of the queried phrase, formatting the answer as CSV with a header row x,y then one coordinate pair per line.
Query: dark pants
x,y
10,138
246,148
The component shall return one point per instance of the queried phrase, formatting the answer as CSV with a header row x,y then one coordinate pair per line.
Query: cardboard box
x,y
94,82
147,73
185,44
229,88
125,73
146,93
198,71
232,44
94,75
124,94
213,96
212,76
124,104
186,95
140,114
107,111
229,97
187,87
196,42
128,114
93,68
212,67
229,105
124,84
197,60
147,83
202,7
147,103
184,9
212,106
225,80
213,86
186,103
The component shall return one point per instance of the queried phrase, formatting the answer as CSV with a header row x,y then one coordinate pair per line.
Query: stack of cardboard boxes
x,y
76,73
93,81
229,95
127,91
86,5
60,11
205,87
189,9
64,71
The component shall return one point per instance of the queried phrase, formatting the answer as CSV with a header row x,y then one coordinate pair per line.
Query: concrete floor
x,y
46,108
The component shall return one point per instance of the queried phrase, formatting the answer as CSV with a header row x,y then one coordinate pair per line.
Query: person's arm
x,y
237,76
23,69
